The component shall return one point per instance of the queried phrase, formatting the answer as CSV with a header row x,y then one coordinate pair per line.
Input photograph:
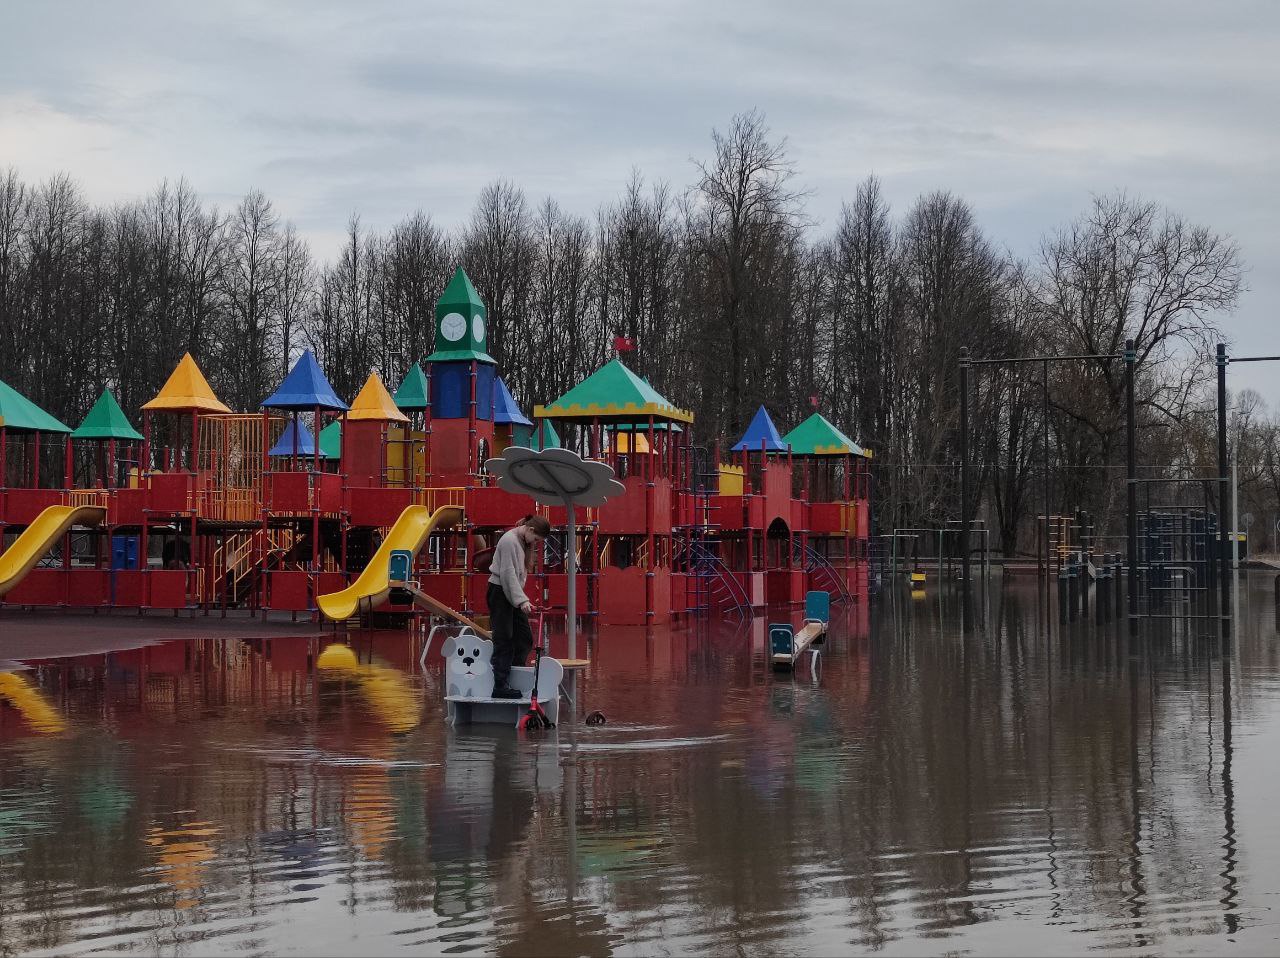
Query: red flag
x,y
813,400
623,344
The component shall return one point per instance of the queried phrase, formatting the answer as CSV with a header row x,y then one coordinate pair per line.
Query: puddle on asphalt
x,y
1007,792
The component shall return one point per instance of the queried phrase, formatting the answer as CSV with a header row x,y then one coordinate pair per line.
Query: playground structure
x,y
298,506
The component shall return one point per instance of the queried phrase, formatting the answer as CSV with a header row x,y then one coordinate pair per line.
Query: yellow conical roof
x,y
185,390
374,402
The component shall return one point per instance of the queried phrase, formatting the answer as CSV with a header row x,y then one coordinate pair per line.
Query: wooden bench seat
x,y
813,633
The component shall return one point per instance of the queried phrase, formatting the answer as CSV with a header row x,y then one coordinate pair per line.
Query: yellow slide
x,y
39,537
369,591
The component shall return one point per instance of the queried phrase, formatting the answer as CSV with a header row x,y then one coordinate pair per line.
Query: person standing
x,y
509,607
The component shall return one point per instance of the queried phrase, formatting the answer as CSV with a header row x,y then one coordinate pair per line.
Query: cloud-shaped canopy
x,y
554,476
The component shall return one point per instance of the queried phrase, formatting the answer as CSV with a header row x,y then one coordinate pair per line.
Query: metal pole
x,y
1131,418
1235,504
1224,589
964,472
1044,466
571,568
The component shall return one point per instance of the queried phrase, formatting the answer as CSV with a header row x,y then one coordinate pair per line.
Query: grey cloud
x,y
1023,107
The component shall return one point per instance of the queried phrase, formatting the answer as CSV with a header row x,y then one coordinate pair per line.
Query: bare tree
x,y
295,288
748,215
1127,269
496,250
252,289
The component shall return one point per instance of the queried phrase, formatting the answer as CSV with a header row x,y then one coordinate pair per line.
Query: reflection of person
x,y
508,605
479,808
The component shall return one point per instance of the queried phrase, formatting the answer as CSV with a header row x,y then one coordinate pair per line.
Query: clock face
x,y
453,327
477,328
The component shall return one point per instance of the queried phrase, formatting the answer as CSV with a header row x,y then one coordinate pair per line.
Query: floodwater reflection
x,y
926,791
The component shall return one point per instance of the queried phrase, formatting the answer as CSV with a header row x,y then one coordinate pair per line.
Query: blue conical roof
x,y
306,447
305,388
505,409
761,429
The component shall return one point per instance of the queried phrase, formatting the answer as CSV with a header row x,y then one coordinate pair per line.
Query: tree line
x,y
732,296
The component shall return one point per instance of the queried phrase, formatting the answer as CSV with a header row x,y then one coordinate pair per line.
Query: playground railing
x,y
434,497
76,498
228,504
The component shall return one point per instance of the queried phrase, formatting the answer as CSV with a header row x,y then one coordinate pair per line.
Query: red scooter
x,y
536,718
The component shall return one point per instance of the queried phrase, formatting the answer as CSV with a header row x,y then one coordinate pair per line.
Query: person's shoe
x,y
506,692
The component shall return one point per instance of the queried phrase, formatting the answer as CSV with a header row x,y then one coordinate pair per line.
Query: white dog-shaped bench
x,y
468,673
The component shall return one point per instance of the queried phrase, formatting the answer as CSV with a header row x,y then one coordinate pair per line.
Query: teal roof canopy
x,y
613,392
413,392
20,414
331,440
816,436
106,420
527,436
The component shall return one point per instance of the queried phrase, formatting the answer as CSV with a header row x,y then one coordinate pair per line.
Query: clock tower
x,y
462,376
462,331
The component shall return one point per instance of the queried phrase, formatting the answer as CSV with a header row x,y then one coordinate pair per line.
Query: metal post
x,y
1235,504
571,568
1044,466
1131,471
964,474
1224,587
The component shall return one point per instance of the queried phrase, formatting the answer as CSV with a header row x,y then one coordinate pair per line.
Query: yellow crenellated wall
x,y
731,480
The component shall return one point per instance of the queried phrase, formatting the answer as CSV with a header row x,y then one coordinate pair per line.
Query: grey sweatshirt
x,y
508,569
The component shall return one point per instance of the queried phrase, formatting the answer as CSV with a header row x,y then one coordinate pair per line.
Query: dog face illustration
x,y
467,666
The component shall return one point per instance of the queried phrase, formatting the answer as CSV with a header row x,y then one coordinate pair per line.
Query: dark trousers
x,y
512,637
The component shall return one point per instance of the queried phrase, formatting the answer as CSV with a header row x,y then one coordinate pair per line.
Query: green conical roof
x,y
459,294
612,392
20,414
527,436
106,420
461,323
817,437
412,393
331,440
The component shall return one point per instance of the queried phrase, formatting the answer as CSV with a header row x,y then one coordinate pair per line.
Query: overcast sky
x,y
384,108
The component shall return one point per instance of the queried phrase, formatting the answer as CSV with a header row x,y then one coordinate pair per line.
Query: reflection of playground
x,y
181,855
385,690
921,784
25,697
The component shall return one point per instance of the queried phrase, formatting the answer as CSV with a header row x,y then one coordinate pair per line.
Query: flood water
x,y
1013,792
